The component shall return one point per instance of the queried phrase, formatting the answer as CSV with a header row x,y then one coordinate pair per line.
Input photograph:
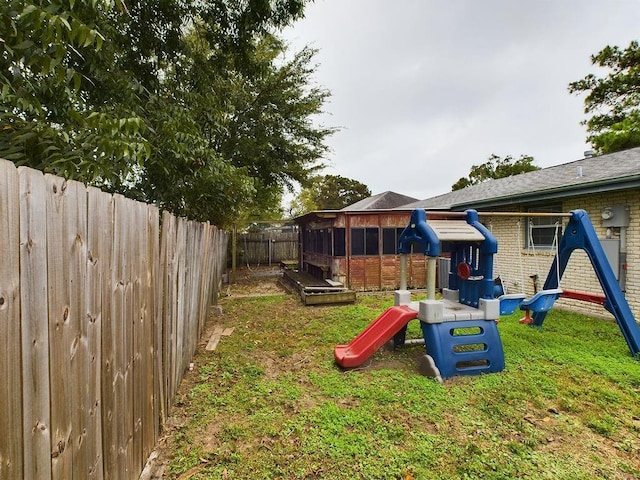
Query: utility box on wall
x,y
615,216
611,247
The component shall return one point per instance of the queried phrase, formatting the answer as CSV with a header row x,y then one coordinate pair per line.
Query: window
x,y
390,237
371,241
364,241
307,241
542,230
339,242
317,241
325,237
357,241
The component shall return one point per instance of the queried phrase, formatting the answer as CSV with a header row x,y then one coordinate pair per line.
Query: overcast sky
x,y
424,89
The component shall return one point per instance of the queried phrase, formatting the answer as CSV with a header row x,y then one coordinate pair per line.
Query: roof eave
x,y
604,186
316,215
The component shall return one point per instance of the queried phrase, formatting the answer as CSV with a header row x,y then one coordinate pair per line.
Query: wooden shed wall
x,y
382,272
367,272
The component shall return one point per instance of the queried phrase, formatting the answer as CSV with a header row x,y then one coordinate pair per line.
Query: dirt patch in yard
x,y
254,282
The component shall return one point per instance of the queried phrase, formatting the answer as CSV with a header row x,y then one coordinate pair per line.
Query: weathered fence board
x,y
194,288
126,453
66,267
35,331
108,347
268,247
140,372
207,285
122,318
166,336
190,272
156,391
180,354
11,435
172,306
100,314
220,247
99,250
150,425
156,283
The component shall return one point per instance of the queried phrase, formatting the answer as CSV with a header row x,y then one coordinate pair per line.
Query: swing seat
x,y
541,301
509,302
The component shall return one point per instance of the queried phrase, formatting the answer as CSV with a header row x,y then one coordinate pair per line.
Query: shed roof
x,y
381,201
615,171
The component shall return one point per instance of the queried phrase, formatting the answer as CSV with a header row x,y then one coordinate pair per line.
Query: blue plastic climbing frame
x,y
580,234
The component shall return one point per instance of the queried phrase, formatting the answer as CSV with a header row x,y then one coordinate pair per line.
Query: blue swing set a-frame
x,y
580,234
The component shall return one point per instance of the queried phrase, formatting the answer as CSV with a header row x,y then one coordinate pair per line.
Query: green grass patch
x,y
270,402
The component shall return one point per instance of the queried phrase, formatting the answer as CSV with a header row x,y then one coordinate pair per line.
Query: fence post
x,y
234,252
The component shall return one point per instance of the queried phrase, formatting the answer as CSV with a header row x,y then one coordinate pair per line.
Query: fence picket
x,y
35,332
186,295
139,321
149,417
100,230
169,228
115,454
204,301
180,343
11,435
66,266
155,298
128,327
165,335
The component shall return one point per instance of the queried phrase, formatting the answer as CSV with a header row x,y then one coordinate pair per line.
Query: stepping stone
x,y
218,332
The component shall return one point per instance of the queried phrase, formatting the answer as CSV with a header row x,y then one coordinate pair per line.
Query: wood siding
x,y
268,247
366,272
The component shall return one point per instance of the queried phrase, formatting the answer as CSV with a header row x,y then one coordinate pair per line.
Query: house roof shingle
x,y
381,201
601,173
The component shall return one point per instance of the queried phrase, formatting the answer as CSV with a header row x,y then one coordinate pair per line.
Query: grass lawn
x,y
270,402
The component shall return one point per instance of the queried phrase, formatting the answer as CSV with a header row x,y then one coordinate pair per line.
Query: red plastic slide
x,y
374,336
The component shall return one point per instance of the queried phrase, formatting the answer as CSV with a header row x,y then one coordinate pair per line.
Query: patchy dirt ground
x,y
254,282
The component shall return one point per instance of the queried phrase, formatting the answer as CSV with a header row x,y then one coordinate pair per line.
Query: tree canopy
x,y
613,100
328,192
194,105
496,167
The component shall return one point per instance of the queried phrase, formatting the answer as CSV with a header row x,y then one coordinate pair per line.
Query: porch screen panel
x,y
339,242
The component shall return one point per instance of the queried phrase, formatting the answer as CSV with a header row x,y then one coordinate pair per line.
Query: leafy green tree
x,y
613,100
193,105
53,60
496,167
328,192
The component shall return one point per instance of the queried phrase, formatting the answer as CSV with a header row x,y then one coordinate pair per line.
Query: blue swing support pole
x,y
580,234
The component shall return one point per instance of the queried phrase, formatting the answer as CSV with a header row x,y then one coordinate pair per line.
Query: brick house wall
x,y
515,263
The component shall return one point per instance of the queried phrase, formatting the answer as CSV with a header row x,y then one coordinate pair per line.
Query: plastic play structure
x,y
460,330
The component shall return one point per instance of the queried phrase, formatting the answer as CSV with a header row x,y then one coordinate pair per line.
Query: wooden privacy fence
x,y
100,313
268,247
